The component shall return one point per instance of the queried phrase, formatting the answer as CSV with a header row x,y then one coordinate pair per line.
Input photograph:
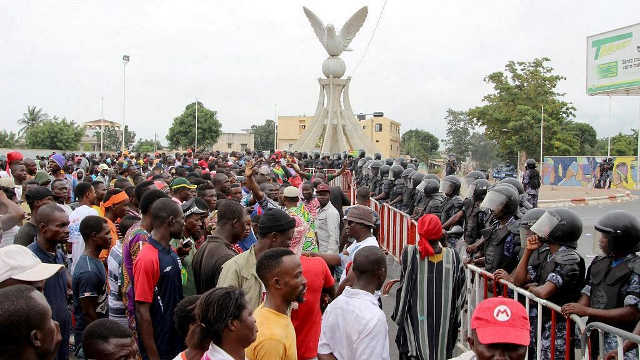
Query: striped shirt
x,y
116,306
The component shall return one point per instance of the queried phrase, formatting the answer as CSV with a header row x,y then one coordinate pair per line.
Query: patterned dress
x,y
304,238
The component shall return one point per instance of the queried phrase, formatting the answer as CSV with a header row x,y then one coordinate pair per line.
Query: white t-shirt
x,y
352,250
75,238
364,336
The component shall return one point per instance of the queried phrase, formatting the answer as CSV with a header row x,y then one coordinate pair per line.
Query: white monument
x,y
334,128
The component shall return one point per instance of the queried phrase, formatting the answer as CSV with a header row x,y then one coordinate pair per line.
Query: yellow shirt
x,y
276,337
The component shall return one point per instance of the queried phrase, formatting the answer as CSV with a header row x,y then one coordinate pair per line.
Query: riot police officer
x,y
531,182
389,175
474,217
428,199
399,187
374,179
501,237
377,156
410,193
552,268
523,204
450,187
611,294
383,181
358,171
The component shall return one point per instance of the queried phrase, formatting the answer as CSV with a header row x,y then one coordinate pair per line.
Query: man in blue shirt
x,y
89,277
53,229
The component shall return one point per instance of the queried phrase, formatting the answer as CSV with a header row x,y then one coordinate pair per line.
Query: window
x,y
377,140
243,147
391,147
303,126
378,127
363,127
229,145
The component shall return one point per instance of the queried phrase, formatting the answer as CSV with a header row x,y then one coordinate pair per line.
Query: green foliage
x,y
147,145
113,138
512,113
459,128
263,135
483,150
419,144
31,118
621,144
54,134
8,139
182,133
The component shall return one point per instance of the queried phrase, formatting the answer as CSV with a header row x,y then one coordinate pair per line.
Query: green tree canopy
x,y
54,134
512,113
31,118
483,151
621,145
263,135
182,133
419,144
147,145
8,139
459,128
113,138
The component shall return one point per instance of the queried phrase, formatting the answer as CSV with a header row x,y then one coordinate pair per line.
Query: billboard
x,y
613,62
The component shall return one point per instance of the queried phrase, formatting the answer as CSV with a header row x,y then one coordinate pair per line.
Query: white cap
x,y
18,262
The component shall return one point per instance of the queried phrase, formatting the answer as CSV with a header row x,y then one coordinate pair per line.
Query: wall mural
x,y
581,170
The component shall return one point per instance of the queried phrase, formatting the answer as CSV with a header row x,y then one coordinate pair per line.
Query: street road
x,y
587,246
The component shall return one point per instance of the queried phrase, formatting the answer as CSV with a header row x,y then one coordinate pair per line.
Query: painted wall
x,y
580,170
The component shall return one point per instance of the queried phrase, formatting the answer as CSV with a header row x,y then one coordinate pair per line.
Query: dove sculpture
x,y
336,43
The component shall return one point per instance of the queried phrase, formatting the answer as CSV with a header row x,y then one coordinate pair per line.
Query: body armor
x,y
407,200
450,207
565,262
501,247
398,190
386,187
474,220
607,282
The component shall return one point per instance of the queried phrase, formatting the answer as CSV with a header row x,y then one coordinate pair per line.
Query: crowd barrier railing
x,y
397,230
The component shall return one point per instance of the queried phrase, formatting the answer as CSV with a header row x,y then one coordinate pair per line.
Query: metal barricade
x,y
621,336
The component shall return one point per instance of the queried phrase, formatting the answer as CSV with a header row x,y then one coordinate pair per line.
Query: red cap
x,y
322,187
429,227
501,320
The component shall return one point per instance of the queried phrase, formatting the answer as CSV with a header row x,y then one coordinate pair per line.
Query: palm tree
x,y
32,117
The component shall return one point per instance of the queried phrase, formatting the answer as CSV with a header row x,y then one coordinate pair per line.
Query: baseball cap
x,y
190,207
18,262
322,187
103,167
181,182
501,320
360,214
291,192
37,193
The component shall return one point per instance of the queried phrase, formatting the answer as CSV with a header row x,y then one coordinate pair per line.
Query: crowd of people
x,y
214,255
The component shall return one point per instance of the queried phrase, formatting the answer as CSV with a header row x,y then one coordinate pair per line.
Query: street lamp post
x,y
125,61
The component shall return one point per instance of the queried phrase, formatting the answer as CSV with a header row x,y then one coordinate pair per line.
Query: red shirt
x,y
307,319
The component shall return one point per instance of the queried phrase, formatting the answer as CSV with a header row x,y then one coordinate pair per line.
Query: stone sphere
x,y
334,67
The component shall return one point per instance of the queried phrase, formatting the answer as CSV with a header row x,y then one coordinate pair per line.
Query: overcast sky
x,y
243,57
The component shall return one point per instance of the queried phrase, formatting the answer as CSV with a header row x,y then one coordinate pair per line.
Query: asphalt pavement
x,y
587,246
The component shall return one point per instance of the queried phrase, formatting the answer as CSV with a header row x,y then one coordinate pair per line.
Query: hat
x,y
291,192
42,177
59,159
181,182
18,262
322,187
190,208
361,215
37,193
275,220
429,227
103,167
264,170
501,320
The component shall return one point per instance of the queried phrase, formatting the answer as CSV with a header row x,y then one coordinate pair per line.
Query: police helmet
x,y
429,186
527,220
516,184
361,153
560,226
478,189
403,162
531,164
502,200
395,172
377,156
450,185
416,179
433,177
388,161
621,229
384,171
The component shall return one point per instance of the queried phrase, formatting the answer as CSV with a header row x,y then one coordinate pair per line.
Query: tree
x,y
586,136
512,113
483,151
54,134
113,138
31,118
459,129
8,139
419,144
147,145
263,135
182,132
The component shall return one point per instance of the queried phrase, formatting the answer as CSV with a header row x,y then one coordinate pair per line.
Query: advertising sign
x,y
613,62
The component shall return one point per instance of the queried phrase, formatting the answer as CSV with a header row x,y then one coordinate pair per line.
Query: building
x,y
91,139
228,142
383,132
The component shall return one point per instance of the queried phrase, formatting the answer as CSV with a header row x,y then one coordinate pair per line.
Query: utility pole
x,y
275,129
102,120
609,138
541,135
155,142
196,146
125,61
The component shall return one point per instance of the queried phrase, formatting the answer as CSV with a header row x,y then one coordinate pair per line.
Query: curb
x,y
585,200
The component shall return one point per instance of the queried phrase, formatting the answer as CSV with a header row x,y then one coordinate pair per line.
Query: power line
x,y
373,34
